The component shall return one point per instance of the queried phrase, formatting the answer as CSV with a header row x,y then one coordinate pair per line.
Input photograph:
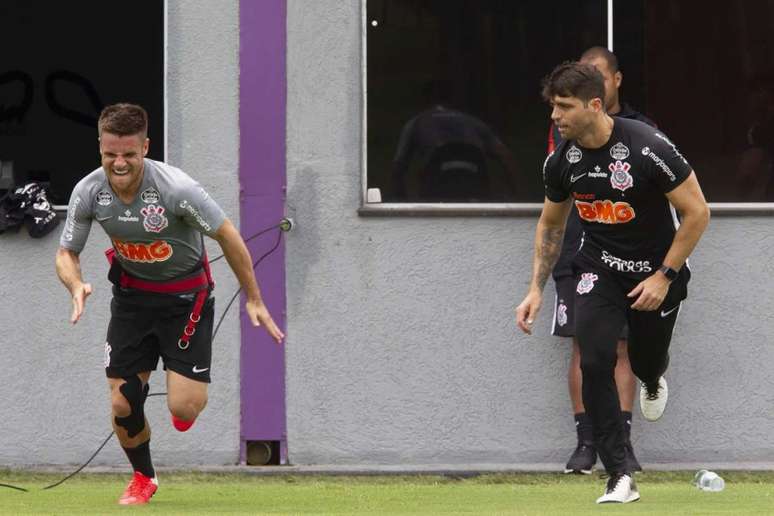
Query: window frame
x,y
465,209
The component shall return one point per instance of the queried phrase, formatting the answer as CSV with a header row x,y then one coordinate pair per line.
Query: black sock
x,y
626,420
584,428
140,458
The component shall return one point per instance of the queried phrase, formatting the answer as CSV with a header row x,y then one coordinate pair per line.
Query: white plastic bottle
x,y
709,481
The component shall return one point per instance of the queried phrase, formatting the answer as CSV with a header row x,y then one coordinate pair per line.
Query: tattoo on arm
x,y
546,254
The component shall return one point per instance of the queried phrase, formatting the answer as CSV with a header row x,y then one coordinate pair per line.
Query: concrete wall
x,y
401,343
401,347
55,401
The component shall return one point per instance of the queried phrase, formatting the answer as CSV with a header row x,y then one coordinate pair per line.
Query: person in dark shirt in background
x,y
451,152
755,173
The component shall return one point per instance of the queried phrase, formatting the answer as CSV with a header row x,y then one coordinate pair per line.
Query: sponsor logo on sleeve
x,y
150,196
619,151
108,349
140,252
196,215
70,225
659,163
674,148
104,198
154,220
605,212
574,154
586,282
620,178
545,164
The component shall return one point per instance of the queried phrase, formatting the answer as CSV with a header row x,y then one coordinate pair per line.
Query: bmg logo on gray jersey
x,y
622,265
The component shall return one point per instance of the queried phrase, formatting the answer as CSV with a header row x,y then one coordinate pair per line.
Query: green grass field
x,y
513,494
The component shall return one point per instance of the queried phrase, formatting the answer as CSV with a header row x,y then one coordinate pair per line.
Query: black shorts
x,y
144,327
563,324
603,308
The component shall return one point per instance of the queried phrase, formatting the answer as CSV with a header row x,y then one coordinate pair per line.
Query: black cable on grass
x,y
68,477
284,226
9,486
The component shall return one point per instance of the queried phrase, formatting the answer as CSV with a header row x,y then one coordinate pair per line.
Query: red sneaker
x,y
181,424
139,490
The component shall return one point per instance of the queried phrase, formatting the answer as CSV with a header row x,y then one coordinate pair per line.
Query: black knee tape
x,y
135,394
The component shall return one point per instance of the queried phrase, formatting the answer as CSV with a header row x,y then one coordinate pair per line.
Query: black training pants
x,y
602,310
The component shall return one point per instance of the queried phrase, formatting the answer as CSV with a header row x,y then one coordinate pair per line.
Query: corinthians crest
x,y
561,314
620,178
586,282
154,220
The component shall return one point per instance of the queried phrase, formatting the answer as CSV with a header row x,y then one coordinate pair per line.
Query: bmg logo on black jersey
x,y
605,212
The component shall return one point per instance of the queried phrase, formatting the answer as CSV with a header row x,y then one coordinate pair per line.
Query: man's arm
x,y
689,202
548,245
238,257
68,268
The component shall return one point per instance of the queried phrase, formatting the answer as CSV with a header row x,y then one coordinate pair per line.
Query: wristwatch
x,y
670,273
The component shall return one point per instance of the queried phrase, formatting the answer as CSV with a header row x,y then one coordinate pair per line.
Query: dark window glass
x,y
61,63
454,109
705,74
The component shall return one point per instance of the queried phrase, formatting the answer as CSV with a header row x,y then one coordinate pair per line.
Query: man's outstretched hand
x,y
260,316
80,293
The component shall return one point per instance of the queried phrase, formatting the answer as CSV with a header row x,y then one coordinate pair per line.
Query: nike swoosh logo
x,y
103,219
664,314
575,178
197,370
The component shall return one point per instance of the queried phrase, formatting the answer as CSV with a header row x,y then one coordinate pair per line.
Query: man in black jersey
x,y
625,179
584,457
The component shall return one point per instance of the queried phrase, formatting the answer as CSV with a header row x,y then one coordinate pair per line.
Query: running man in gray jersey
x,y
155,216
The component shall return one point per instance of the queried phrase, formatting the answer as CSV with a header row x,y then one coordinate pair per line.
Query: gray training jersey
x,y
157,236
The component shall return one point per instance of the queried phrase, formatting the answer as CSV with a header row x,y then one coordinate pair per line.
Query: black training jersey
x,y
573,232
618,193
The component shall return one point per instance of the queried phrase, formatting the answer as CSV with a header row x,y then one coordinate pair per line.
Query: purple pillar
x,y
262,81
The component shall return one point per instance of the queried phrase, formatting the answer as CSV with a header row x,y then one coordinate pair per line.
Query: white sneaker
x,y
621,488
652,404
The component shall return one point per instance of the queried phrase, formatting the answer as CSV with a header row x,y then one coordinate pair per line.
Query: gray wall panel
x,y
55,400
402,347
